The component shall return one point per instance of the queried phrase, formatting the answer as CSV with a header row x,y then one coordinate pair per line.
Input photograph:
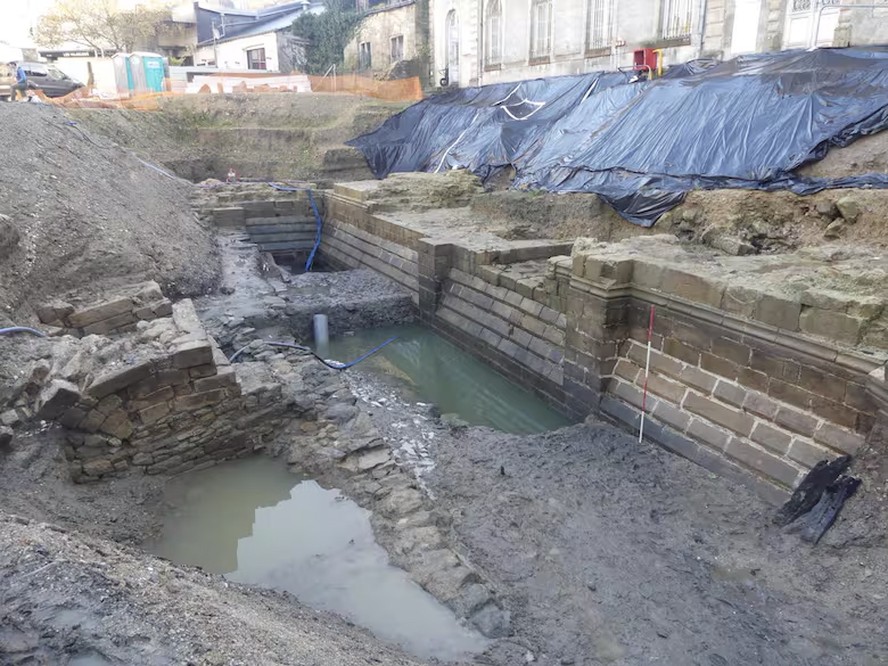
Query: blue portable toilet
x,y
138,73
123,75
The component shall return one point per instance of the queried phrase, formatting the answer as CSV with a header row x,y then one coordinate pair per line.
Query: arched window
x,y
540,28
451,34
494,32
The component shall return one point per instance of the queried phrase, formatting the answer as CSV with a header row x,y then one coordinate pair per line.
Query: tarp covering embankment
x,y
746,123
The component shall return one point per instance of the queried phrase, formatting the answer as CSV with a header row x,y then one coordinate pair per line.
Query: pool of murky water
x,y
257,523
427,368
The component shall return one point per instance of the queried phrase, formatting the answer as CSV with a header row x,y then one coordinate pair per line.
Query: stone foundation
x,y
760,366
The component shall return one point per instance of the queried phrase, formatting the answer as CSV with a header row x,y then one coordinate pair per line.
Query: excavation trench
x,y
261,522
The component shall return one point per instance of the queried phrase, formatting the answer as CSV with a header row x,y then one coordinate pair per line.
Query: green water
x,y
256,523
428,368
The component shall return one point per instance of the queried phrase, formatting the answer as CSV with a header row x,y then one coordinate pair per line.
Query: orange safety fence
x,y
399,90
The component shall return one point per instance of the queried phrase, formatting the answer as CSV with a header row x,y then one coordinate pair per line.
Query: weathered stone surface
x,y
109,403
193,353
492,621
716,412
780,312
117,425
56,398
9,418
163,395
98,467
771,438
849,208
54,312
761,461
838,439
5,436
92,421
832,325
198,400
372,459
799,422
115,380
96,313
110,325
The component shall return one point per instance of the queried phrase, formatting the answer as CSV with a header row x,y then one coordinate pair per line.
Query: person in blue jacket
x,y
21,82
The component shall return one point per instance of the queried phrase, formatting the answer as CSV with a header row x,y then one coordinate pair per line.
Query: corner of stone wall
x,y
163,398
743,381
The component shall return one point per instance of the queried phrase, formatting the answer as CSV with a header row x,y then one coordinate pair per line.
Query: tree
x,y
328,33
99,25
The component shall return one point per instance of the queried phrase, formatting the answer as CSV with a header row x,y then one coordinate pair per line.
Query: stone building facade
x,y
392,40
478,42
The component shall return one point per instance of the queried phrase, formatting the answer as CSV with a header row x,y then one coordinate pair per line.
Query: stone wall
x,y
759,365
117,313
161,399
354,239
744,375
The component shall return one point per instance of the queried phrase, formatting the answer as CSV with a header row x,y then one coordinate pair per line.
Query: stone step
x,y
282,228
280,246
293,237
281,219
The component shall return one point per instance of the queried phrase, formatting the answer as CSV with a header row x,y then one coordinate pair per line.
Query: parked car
x,y
50,79
43,76
7,78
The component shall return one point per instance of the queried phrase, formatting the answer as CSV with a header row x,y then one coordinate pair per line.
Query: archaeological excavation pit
x,y
176,489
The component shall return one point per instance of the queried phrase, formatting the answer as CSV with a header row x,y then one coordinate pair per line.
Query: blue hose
x,y
335,365
22,329
317,214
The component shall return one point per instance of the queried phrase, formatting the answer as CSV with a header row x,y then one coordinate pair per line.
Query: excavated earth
x,y
600,549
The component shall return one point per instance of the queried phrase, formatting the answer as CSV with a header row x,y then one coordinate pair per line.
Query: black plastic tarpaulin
x,y
747,123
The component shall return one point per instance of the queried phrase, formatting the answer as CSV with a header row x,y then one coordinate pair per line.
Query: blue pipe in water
x,y
22,329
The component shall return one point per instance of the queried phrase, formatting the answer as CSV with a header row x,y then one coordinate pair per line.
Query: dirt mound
x,y
277,135
80,214
866,155
743,222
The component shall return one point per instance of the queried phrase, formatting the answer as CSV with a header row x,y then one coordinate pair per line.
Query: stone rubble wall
x,y
119,313
162,399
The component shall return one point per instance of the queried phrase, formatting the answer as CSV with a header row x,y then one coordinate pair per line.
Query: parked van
x,y
7,78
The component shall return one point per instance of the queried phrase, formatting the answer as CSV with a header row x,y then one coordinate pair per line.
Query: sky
x,y
17,17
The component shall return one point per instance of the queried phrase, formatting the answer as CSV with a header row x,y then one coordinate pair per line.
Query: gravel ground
x,y
79,214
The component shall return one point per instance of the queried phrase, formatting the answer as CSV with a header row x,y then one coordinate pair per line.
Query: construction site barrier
x,y
399,90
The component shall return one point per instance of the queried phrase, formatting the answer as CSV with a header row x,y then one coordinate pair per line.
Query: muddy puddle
x,y
257,523
427,368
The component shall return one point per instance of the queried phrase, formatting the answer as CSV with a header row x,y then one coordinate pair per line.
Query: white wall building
x,y
487,41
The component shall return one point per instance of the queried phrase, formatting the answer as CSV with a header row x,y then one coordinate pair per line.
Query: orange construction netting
x,y
399,90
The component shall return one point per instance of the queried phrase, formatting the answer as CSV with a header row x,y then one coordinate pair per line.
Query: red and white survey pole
x,y
647,370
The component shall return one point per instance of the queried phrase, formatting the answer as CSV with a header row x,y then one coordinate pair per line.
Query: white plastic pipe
x,y
321,334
